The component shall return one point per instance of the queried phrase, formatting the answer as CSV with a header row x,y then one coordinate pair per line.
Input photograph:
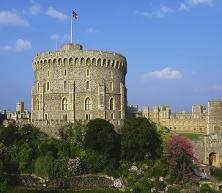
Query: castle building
x,y
195,122
20,116
74,84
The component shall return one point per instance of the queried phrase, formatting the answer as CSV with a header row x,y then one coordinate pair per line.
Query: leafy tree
x,y
180,156
2,117
22,155
48,147
44,166
74,133
8,134
140,139
102,138
93,162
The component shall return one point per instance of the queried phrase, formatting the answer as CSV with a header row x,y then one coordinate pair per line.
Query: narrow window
x,y
37,105
38,87
64,117
88,116
48,73
47,85
87,72
65,72
111,104
87,84
88,104
46,117
65,85
64,104
111,86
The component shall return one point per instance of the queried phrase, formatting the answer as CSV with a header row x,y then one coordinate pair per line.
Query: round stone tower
x,y
74,84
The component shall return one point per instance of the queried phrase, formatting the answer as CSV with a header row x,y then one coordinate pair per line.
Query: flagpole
x,y
71,31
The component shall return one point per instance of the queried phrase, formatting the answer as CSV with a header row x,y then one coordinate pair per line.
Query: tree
x,y
22,155
140,139
74,133
8,134
180,156
102,138
44,166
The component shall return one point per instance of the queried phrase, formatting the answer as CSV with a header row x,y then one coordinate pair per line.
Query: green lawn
x,y
191,136
23,190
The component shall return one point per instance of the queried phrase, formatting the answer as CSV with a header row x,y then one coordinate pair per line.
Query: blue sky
x,y
173,47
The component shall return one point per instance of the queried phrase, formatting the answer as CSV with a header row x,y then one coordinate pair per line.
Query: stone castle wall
x,y
195,122
75,84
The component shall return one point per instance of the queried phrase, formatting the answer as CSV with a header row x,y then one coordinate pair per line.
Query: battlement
x,y
70,54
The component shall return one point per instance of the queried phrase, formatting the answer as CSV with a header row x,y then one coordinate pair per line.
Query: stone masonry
x,y
74,84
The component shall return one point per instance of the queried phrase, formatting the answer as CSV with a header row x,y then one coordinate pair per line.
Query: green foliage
x,y
75,133
94,162
3,184
2,117
44,166
164,134
191,136
101,137
217,173
59,169
8,134
140,139
172,189
22,190
48,147
207,189
22,155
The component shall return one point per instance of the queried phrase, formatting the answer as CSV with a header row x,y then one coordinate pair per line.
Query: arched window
x,y
47,85
48,73
112,116
111,104
88,104
64,104
87,84
65,72
65,85
46,117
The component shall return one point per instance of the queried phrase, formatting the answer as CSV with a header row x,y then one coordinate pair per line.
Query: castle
x,y
203,120
74,84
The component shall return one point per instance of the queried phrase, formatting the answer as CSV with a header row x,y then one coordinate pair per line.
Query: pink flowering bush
x,y
180,156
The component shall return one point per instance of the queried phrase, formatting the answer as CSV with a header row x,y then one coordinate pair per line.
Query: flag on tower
x,y
74,14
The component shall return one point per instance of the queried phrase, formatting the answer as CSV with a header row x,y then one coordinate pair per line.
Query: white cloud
x,y
13,19
164,10
54,37
35,9
91,30
51,11
199,2
183,7
19,46
164,74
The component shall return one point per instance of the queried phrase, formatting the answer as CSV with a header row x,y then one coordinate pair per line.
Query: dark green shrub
x,y
3,184
43,166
